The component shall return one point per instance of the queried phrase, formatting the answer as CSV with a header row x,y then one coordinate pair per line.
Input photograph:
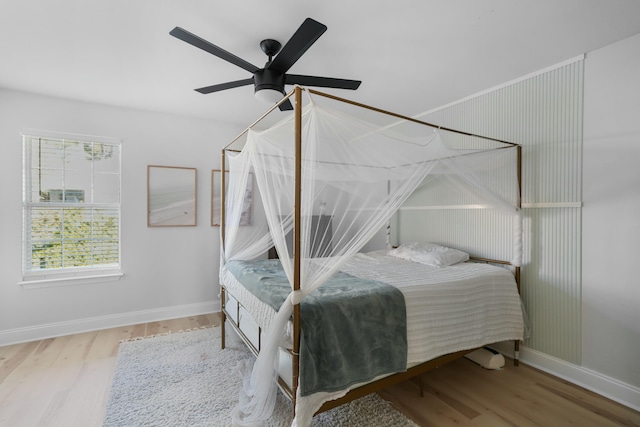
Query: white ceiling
x,y
411,55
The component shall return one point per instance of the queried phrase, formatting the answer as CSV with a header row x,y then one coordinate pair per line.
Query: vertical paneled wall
x,y
543,113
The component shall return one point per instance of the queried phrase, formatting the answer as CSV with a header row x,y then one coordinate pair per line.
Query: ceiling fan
x,y
269,81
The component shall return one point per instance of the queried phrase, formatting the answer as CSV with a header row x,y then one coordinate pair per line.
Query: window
x,y
71,207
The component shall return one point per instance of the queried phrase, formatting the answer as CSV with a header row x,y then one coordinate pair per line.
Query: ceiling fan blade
x,y
297,45
201,43
286,106
292,79
223,86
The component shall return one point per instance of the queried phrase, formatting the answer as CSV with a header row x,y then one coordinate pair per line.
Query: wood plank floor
x,y
65,381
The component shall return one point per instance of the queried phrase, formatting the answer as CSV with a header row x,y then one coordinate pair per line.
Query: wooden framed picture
x,y
171,196
216,198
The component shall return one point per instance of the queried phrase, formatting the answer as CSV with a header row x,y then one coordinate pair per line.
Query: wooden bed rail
x,y
390,380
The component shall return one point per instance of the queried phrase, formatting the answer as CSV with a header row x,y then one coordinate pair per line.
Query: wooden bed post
x,y
222,226
297,241
516,344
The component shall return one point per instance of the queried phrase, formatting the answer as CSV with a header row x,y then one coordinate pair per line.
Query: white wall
x,y
611,229
168,271
597,221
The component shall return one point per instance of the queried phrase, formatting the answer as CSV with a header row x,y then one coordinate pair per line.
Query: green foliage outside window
x,y
73,237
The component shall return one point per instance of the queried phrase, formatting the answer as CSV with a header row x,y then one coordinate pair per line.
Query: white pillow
x,y
429,254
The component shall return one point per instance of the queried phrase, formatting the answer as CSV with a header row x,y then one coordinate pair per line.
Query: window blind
x,y
71,204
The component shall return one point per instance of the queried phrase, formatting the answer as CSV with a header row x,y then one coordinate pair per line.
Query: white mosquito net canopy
x,y
355,165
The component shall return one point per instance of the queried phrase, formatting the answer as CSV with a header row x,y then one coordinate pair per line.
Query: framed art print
x,y
216,198
171,196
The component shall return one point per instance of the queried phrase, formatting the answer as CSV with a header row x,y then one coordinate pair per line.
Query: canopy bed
x,y
329,322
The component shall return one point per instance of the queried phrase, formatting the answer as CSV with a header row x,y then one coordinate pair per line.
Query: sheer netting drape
x,y
356,173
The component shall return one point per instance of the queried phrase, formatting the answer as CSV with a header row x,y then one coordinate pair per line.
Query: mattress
x,y
449,309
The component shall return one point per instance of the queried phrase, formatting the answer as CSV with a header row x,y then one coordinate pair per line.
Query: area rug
x,y
185,380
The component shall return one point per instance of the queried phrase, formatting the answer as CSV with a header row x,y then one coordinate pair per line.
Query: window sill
x,y
49,282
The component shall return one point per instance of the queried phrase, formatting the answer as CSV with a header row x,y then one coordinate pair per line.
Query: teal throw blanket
x,y
352,329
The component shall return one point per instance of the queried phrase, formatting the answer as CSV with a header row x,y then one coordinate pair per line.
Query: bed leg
x,y
421,385
222,332
224,318
516,353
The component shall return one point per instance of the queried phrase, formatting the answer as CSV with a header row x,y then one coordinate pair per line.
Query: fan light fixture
x,y
269,96
268,84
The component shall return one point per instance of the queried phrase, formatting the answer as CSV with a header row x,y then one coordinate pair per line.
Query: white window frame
x,y
68,275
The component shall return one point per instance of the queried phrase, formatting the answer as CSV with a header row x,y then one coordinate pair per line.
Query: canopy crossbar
x,y
360,105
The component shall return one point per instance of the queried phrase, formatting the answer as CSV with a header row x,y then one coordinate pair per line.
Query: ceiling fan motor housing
x,y
268,79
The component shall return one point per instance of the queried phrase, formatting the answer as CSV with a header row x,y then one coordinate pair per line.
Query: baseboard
x,y
611,388
50,330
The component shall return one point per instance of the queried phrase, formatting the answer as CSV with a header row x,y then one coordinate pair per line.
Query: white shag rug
x,y
185,379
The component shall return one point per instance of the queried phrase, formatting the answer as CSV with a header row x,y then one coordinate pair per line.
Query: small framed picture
x,y
216,198
171,196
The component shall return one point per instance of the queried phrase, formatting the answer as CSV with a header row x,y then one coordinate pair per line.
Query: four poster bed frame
x,y
233,317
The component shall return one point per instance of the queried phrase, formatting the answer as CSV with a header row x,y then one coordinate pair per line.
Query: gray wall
x,y
544,114
611,230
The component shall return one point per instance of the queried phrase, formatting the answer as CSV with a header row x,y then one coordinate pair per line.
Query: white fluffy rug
x,y
185,379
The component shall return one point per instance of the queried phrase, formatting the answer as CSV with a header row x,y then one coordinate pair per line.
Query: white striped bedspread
x,y
460,307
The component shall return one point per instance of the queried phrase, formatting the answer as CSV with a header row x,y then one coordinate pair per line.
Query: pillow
x,y
429,254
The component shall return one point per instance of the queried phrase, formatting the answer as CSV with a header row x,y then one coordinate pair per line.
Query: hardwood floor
x,y
463,394
65,381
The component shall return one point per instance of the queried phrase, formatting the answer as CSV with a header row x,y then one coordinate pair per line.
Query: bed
x,y
372,318
449,311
